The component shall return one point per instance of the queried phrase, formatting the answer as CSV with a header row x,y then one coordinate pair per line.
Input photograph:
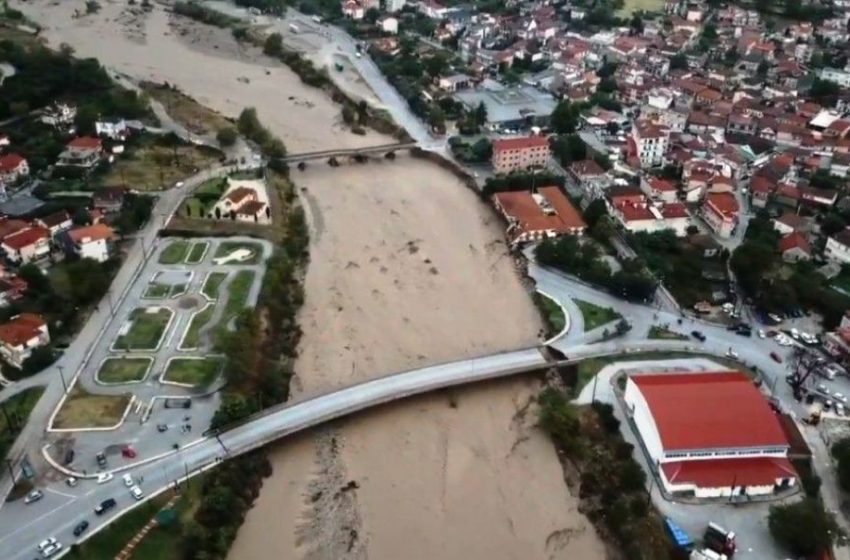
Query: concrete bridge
x,y
352,152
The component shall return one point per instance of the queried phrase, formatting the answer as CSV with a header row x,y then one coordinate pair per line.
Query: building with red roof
x,y
27,245
795,247
82,152
524,152
691,427
535,216
636,213
12,168
720,212
20,336
92,242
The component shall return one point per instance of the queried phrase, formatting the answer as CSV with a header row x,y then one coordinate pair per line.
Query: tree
x,y
226,136
679,62
372,15
832,223
273,45
824,88
36,280
607,85
481,114
803,528
568,148
564,118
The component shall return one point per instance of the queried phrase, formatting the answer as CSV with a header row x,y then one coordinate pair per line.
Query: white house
x,y
27,245
20,336
838,247
92,242
651,143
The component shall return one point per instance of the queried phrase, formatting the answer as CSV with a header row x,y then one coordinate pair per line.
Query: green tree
x,y
273,45
226,136
481,114
679,62
564,118
568,148
803,528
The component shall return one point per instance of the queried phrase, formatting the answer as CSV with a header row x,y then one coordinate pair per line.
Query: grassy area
x,y
18,410
198,372
552,312
201,203
237,296
212,284
123,370
108,543
165,543
156,290
185,110
149,167
632,6
174,253
197,252
146,330
84,410
192,339
665,334
594,315
228,247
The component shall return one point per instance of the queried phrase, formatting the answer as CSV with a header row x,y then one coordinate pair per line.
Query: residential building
x,y
20,336
650,143
109,199
838,247
27,245
83,152
92,242
536,216
795,247
659,189
720,212
525,152
690,425
839,76
12,288
12,168
636,213
56,222
59,115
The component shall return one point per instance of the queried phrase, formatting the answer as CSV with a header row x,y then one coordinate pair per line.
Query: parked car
x,y
47,542
103,478
128,481
128,452
101,460
81,528
762,334
104,506
775,357
71,481
698,335
33,496
137,493
51,549
69,457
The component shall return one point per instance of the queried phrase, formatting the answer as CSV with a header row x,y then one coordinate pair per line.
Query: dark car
x,y
105,506
698,335
69,457
101,460
744,332
81,528
775,357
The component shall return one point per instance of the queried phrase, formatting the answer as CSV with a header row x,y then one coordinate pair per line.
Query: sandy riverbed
x,y
407,269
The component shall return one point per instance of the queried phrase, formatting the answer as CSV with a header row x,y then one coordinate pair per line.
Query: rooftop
x,y
707,410
91,233
509,104
560,216
519,143
716,473
21,329
26,237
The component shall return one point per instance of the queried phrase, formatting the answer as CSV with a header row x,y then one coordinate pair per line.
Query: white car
x,y
840,397
71,481
839,409
51,550
137,493
762,334
47,542
128,481
33,496
104,477
795,334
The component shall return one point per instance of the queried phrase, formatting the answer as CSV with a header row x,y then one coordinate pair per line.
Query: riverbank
x,y
408,268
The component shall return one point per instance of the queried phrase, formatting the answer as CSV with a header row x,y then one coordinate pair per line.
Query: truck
x,y
706,554
680,538
720,540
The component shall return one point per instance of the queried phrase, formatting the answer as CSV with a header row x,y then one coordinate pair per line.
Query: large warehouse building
x,y
710,434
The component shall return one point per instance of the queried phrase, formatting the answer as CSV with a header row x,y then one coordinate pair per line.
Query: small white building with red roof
x,y
92,242
27,245
83,152
12,168
709,434
720,212
21,335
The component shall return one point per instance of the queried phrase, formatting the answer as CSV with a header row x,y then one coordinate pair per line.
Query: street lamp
x,y
62,377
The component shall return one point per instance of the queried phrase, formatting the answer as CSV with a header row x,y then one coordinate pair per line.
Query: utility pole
x,y
62,377
593,397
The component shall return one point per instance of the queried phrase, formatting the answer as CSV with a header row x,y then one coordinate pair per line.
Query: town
x,y
621,227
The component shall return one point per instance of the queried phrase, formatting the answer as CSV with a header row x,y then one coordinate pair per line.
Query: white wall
x,y
97,250
643,420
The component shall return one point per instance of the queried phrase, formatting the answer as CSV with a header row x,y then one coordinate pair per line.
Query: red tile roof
x,y
662,185
86,143
8,227
586,167
26,237
239,194
723,203
520,143
794,240
21,329
674,210
707,411
251,208
521,206
719,473
91,233
10,162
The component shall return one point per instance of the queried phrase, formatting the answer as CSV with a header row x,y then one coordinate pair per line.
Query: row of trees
x,y
250,127
584,260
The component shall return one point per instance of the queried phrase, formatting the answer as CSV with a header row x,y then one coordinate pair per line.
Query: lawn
x,y
552,312
199,372
174,253
212,284
123,370
156,290
191,339
631,6
151,167
197,252
165,542
145,331
237,296
18,410
665,334
594,315
85,410
108,543
227,247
